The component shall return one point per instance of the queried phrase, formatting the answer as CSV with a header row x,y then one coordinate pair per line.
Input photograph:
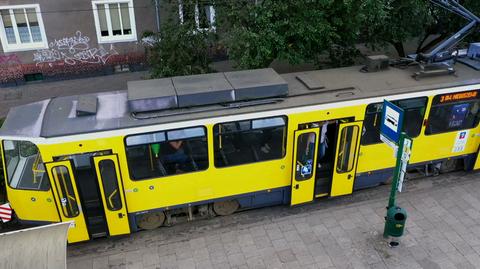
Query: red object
x,y
5,212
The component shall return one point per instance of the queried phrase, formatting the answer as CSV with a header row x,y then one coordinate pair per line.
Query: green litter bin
x,y
395,221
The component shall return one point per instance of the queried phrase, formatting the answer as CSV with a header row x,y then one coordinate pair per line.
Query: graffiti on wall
x,y
73,50
9,59
149,41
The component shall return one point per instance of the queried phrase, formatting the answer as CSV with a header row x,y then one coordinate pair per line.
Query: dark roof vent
x,y
206,89
376,63
151,95
310,82
87,105
257,84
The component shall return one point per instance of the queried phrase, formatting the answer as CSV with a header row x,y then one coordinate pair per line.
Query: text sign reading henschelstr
x,y
391,123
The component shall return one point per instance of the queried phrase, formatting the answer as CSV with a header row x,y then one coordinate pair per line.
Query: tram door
x,y
111,191
67,199
303,170
345,165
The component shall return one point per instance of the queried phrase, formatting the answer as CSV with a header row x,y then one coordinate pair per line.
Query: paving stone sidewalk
x,y
443,230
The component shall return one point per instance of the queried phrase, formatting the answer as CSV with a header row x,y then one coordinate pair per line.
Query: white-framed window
x,y
202,12
21,28
114,20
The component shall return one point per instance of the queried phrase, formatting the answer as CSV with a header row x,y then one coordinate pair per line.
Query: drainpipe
x,y
157,15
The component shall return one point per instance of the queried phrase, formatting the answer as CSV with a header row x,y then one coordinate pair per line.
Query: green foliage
x,y
181,49
397,21
394,22
323,32
295,31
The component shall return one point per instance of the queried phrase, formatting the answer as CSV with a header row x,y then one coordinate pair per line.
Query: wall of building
x,y
73,47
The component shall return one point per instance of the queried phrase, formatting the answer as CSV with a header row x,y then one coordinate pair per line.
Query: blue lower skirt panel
x,y
371,179
261,199
375,178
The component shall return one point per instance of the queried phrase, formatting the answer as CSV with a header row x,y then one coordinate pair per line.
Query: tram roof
x,y
57,116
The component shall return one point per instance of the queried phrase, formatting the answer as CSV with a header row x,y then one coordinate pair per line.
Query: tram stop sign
x,y
391,124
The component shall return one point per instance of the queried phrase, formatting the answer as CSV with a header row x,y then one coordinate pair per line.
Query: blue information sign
x,y
391,123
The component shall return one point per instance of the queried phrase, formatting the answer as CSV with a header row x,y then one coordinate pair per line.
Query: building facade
x,y
58,39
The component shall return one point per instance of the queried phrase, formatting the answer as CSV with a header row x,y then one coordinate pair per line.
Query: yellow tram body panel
x,y
31,205
215,182
38,206
351,160
425,148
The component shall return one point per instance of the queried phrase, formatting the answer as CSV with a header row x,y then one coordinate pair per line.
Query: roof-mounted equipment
x,y
151,95
441,60
231,89
86,105
375,63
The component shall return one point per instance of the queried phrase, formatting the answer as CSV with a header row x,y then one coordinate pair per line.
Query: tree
x,y
295,31
181,49
394,22
398,21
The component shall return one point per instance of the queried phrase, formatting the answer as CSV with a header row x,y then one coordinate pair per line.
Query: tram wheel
x,y
225,208
151,221
449,166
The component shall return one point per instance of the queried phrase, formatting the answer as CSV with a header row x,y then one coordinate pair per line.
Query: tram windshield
x,y
24,166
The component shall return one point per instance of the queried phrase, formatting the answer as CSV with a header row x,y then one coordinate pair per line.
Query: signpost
x,y
391,133
391,125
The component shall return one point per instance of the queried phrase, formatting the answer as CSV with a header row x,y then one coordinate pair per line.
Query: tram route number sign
x,y
391,124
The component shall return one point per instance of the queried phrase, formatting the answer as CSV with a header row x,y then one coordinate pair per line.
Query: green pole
x,y
396,173
396,177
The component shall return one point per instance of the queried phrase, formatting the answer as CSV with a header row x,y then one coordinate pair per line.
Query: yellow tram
x,y
117,162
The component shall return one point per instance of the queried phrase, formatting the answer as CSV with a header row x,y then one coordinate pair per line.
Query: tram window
x,y
413,119
24,165
346,149
249,141
110,184
68,198
452,112
305,156
167,153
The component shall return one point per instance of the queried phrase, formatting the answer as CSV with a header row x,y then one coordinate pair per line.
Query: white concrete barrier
x,y
38,247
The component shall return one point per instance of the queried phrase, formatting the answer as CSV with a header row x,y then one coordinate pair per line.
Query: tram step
x,y
99,234
96,219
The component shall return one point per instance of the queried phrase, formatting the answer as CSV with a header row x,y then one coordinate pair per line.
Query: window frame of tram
x,y
160,154
352,147
19,146
65,189
305,156
453,112
252,140
413,121
111,190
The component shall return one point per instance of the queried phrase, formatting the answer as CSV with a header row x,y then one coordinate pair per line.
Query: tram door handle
x,y
297,186
121,215
349,177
